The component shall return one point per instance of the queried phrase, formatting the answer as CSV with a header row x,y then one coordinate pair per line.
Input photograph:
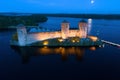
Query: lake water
x,y
72,63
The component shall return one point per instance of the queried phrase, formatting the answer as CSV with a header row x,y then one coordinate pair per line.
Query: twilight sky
x,y
61,6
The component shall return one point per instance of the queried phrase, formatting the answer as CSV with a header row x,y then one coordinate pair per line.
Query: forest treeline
x,y
34,19
93,16
31,20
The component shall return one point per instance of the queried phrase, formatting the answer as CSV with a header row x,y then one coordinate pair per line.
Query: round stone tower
x,y
89,25
65,29
22,35
83,29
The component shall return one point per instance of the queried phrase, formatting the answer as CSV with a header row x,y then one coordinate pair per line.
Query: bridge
x,y
111,43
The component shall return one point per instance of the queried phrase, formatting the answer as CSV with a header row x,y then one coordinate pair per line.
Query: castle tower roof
x,y
20,25
65,21
82,21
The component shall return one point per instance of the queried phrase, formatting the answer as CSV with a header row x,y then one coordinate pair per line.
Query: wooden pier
x,y
111,43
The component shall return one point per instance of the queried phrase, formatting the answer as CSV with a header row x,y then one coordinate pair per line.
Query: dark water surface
x,y
71,63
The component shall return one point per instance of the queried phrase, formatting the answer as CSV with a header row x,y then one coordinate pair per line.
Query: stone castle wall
x,y
28,38
73,33
38,36
34,37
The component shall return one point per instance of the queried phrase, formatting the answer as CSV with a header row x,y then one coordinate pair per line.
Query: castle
x,y
25,37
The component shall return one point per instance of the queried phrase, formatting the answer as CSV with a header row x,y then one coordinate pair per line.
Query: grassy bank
x,y
73,41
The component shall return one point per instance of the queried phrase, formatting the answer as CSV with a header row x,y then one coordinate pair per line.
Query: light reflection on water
x,y
64,52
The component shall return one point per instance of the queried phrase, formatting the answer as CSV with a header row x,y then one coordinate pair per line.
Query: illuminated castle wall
x,y
65,29
28,38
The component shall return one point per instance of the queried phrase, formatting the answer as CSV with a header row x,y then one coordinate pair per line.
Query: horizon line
x,y
61,13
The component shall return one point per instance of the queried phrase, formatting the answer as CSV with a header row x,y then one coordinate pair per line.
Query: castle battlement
x,y
25,38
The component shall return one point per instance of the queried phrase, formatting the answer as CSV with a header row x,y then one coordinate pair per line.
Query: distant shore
x,y
31,19
11,21
93,16
86,16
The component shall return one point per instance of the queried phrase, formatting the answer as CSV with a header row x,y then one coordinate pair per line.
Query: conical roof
x,y
83,21
65,21
20,25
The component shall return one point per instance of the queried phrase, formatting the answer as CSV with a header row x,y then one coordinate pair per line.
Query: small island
x,y
65,38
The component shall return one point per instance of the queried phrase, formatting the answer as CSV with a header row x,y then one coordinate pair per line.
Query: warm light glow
x,y
60,40
45,43
44,50
93,38
93,48
60,47
45,46
63,34
73,41
83,29
77,41
63,51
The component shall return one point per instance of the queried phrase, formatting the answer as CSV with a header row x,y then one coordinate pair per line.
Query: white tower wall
x,y
65,30
89,25
83,29
22,35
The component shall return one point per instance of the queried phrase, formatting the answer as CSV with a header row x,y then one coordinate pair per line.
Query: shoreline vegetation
x,y
11,20
86,16
71,41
